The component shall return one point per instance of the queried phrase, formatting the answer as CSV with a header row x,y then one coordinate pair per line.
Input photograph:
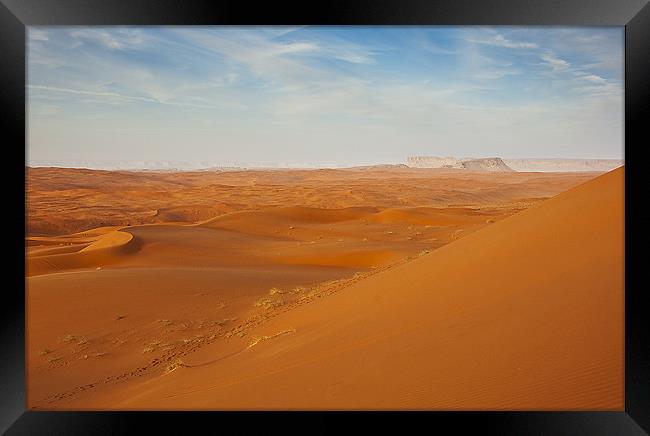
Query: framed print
x,y
423,210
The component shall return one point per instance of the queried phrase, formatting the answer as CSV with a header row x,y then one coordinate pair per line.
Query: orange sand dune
x,y
442,297
99,298
349,237
64,200
301,214
428,216
525,314
83,253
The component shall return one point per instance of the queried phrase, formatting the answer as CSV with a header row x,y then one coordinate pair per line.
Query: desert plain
x,y
382,287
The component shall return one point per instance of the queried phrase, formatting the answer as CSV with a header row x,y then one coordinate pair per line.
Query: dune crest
x,y
82,250
113,240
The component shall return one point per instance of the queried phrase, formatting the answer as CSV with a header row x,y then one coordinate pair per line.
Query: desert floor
x,y
376,288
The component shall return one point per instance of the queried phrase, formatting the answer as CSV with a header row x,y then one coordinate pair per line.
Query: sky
x,y
196,96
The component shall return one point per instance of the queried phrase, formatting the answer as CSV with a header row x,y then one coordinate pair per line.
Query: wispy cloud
x,y
499,40
435,48
91,93
119,39
594,78
556,63
598,87
117,96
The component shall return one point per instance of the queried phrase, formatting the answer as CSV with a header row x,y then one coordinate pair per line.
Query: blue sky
x,y
320,95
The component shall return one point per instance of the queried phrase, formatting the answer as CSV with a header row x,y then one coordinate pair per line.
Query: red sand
x,y
412,290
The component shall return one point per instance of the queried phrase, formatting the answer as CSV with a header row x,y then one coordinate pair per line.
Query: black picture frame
x,y
15,15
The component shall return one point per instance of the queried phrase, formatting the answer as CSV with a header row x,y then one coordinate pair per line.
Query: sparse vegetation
x,y
222,322
174,365
151,347
156,345
269,303
257,339
424,252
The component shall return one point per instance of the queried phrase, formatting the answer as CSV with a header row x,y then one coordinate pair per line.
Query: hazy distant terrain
x,y
548,165
531,164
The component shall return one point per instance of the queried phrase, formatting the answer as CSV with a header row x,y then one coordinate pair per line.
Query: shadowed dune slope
x,y
297,214
106,249
524,314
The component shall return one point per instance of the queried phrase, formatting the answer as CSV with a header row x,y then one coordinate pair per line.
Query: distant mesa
x,y
526,165
378,167
486,164
493,164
